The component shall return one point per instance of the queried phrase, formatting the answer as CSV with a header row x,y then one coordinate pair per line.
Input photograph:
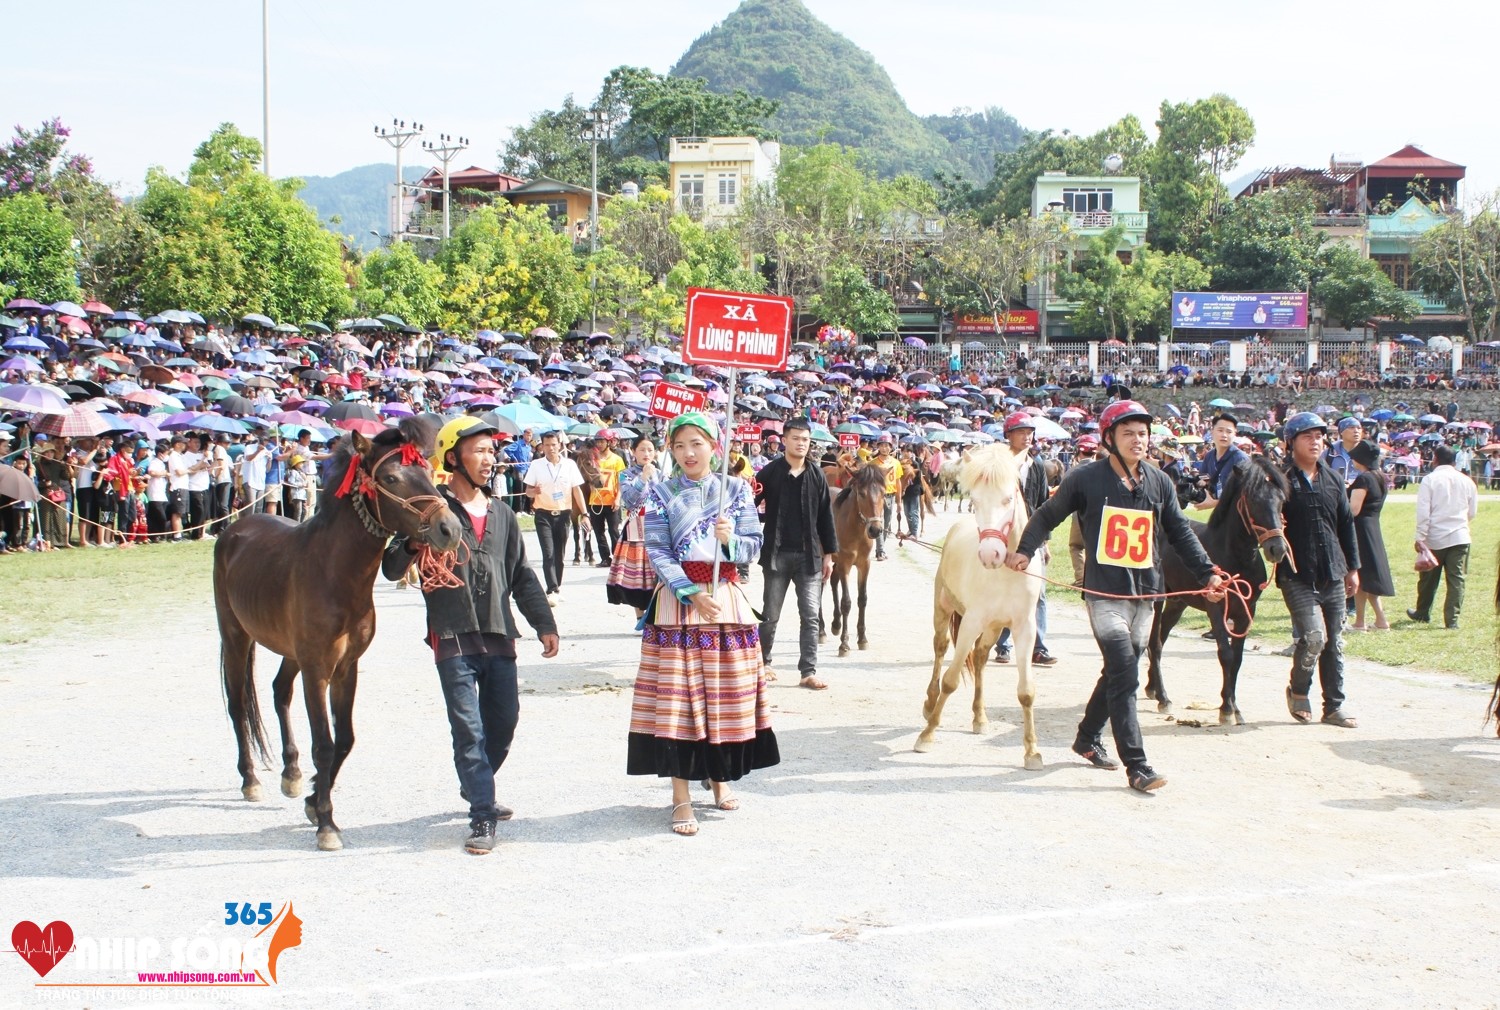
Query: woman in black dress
x,y
1366,496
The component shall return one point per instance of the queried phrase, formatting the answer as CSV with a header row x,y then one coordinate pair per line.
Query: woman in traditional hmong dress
x,y
632,580
700,709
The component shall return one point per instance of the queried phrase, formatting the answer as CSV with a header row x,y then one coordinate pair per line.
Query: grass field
x,y
1469,651
85,591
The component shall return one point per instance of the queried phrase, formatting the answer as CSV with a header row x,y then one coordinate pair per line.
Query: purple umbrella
x,y
25,342
32,399
914,342
20,363
25,303
395,408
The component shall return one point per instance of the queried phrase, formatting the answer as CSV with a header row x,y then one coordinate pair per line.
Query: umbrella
x,y
362,425
20,363
350,410
33,399
395,408
914,342
68,309
15,484
317,327
529,415
1221,403
236,404
256,319
76,421
1432,419
25,342
25,304
395,321
502,423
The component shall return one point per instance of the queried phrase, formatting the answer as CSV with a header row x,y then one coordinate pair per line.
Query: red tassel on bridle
x,y
347,484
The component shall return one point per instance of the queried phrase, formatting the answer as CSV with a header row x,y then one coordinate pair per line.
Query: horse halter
x,y
1262,534
369,488
1003,531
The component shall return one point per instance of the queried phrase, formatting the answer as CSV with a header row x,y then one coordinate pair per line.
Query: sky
x,y
143,82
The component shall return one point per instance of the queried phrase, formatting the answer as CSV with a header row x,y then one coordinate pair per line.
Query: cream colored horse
x,y
976,596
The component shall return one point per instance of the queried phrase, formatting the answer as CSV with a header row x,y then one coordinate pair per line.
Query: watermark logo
x,y
224,958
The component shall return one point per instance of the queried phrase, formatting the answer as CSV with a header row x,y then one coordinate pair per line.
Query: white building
x,y
712,175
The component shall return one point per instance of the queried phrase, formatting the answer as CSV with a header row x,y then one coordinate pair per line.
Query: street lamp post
x,y
265,86
398,136
596,118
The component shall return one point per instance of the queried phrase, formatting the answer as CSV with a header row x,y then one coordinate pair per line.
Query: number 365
x,y
247,914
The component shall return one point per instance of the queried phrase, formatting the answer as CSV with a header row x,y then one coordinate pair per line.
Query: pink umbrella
x,y
78,422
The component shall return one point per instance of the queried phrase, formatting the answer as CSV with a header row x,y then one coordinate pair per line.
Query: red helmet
x,y
1020,419
1088,443
1122,410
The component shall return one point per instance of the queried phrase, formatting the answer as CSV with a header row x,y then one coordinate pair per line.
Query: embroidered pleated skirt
x,y
699,709
631,579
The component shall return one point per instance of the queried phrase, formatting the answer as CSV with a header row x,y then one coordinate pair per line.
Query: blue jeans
x,y
1121,630
483,708
913,509
1041,627
807,574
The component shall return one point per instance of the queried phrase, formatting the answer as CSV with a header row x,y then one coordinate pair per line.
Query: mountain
x,y
359,197
831,90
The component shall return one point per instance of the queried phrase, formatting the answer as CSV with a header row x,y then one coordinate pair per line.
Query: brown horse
x,y
305,592
858,518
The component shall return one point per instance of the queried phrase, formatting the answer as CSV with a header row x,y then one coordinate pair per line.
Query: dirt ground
x,y
1284,865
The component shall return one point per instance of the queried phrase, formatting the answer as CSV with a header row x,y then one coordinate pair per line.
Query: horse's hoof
x,y
1164,707
253,793
863,646
822,638
1239,720
311,810
980,725
291,788
330,841
922,746
843,650
1033,762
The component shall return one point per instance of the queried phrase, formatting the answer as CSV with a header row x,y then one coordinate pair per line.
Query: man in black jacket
x,y
1020,429
1319,528
800,543
1124,507
470,627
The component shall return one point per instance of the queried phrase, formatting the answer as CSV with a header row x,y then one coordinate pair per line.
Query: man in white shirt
x,y
156,492
198,479
1446,502
554,485
177,484
253,473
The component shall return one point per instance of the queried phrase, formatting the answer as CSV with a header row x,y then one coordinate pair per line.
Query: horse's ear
x,y
359,443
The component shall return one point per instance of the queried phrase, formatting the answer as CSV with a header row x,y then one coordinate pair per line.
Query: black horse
x,y
1245,525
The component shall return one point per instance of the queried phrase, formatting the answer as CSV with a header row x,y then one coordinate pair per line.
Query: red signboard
x,y
669,399
849,440
1014,321
748,433
737,330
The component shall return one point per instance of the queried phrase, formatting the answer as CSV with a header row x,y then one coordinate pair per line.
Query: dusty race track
x,y
1283,866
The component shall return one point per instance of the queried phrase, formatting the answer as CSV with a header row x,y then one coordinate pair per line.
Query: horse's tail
x,y
241,689
954,621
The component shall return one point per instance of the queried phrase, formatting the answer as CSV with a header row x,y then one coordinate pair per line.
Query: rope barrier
x,y
226,518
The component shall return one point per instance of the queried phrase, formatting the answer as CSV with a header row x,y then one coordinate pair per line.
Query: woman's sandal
x,y
688,827
726,801
1299,706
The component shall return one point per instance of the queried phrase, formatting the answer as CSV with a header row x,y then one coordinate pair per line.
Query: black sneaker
x,y
1145,780
1002,655
1043,658
1414,616
1095,754
481,837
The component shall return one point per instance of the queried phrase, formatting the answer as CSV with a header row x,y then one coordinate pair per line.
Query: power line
x,y
398,136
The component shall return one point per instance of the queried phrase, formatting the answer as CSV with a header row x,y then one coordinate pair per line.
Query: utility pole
x,y
596,115
265,86
445,150
398,136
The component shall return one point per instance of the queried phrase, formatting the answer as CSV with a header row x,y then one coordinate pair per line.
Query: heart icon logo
x,y
42,946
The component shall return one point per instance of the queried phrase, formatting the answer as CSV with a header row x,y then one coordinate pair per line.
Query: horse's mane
x,y
862,480
990,464
416,431
1255,468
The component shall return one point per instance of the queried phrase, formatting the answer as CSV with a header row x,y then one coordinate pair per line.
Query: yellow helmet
x,y
456,431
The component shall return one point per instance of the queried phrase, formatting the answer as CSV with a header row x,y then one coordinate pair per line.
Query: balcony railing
x,y
1339,221
1102,220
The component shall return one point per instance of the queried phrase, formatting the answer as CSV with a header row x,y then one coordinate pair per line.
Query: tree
x,y
36,250
1459,263
1196,143
1266,242
1165,273
1117,299
396,280
551,144
848,299
1354,290
982,269
506,267
1008,194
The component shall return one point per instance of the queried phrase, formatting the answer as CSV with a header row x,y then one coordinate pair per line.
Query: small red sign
x,y
747,433
734,330
849,440
669,399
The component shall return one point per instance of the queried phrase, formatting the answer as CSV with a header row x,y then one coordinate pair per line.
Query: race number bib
x,y
1125,537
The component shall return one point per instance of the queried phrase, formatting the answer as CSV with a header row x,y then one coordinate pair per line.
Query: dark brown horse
x,y
1245,525
858,518
305,592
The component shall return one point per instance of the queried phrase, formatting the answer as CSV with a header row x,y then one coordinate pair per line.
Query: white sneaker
x,y
557,597
551,599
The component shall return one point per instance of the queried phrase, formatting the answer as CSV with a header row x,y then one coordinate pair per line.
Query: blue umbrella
x,y
25,342
124,317
526,415
1382,414
138,340
777,400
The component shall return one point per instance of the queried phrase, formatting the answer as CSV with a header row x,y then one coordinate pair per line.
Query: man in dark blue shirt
x,y
1221,458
